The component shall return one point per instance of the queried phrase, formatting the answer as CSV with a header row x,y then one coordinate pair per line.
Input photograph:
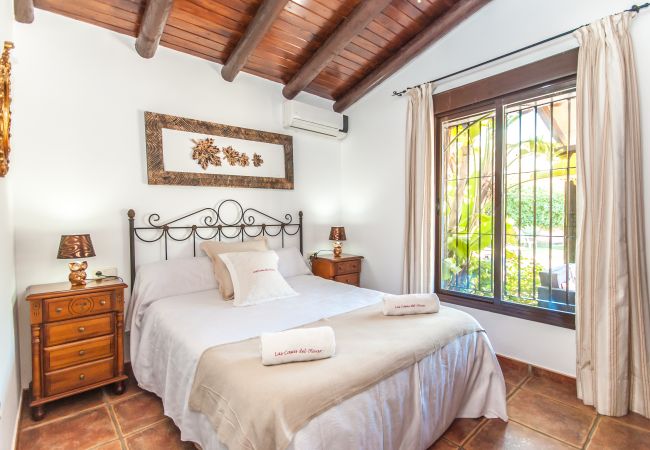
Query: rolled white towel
x,y
399,305
300,344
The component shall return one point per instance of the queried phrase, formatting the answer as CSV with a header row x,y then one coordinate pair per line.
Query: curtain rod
x,y
633,8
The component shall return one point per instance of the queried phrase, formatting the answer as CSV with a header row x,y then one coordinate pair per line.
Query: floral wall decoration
x,y
216,148
206,153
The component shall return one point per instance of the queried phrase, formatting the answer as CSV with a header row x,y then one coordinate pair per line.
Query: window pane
x,y
539,203
468,208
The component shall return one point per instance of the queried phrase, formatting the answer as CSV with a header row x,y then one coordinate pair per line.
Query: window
x,y
540,203
506,212
468,209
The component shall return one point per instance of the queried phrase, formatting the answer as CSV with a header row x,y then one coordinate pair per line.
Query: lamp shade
x,y
337,234
75,246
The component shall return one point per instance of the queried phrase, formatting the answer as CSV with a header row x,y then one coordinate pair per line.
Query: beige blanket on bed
x,y
261,407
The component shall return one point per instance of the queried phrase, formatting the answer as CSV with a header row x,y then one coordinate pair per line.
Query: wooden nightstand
x,y
77,339
345,269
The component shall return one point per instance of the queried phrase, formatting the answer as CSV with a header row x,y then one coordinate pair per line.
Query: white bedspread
x,y
169,335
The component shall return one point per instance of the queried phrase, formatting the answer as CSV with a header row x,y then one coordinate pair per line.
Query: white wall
x,y
9,363
373,154
80,94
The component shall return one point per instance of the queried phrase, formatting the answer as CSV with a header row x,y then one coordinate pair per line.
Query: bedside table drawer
x,y
78,305
78,376
67,355
78,329
351,278
342,268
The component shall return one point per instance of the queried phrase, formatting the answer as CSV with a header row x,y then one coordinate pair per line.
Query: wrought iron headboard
x,y
245,225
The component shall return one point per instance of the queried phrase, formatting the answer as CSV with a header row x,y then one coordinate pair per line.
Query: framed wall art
x,y
5,108
182,151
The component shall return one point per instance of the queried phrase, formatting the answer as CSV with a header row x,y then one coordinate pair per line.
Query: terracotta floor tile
x,y
113,445
460,429
138,411
131,390
442,444
61,408
497,434
514,372
634,419
81,431
612,434
561,390
162,435
510,388
556,419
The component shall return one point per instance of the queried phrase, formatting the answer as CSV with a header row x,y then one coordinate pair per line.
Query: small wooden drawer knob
x,y
102,302
82,352
59,310
82,376
82,329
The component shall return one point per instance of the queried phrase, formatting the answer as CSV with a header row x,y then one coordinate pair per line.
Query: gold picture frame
x,y
157,174
5,108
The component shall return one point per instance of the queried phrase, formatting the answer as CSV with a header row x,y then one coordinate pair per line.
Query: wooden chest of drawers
x,y
77,340
344,269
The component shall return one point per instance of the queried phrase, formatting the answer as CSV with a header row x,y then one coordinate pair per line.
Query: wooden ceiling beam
x,y
24,11
420,42
350,27
152,26
266,14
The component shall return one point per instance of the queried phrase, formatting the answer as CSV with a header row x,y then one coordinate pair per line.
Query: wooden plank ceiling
x,y
211,29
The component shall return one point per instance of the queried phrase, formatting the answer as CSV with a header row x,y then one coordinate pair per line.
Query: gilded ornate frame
x,y
154,124
5,108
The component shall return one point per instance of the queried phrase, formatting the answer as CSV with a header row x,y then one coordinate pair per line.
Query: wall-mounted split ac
x,y
314,119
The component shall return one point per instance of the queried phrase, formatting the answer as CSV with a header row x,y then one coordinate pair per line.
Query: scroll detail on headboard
x,y
248,222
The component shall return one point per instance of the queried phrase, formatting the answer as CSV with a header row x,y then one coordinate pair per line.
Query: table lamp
x,y
337,234
76,246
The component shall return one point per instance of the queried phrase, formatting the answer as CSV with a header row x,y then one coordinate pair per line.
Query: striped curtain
x,y
419,221
612,304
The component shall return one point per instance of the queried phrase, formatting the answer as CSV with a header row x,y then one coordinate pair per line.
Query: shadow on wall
x,y
16,316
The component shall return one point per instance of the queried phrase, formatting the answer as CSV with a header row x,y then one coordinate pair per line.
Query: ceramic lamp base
x,y
338,249
77,275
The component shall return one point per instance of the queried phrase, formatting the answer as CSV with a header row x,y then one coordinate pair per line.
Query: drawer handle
x,y
82,352
59,310
82,376
82,329
102,302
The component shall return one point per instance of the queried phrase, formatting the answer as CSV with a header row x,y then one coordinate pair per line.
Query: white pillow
x,y
167,279
291,262
255,277
214,248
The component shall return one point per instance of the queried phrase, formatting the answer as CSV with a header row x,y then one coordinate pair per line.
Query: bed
x,y
176,314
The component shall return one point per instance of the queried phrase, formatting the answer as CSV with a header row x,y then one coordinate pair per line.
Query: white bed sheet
x,y
408,410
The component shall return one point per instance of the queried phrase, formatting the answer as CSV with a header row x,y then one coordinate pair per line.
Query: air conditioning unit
x,y
312,118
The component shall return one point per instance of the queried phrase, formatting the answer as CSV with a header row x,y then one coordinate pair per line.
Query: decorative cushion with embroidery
x,y
255,277
213,249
